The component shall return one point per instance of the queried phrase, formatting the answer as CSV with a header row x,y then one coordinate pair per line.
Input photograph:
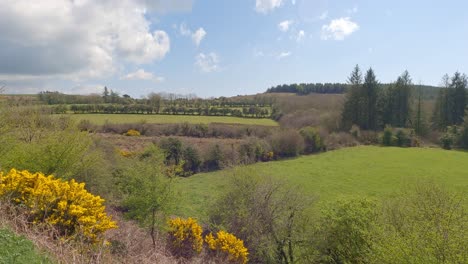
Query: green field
x,y
18,250
367,171
100,119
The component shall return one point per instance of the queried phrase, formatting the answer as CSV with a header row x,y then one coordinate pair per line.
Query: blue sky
x,y
224,47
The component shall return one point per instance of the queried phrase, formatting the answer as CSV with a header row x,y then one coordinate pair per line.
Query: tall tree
x,y
459,85
351,110
105,94
403,100
370,95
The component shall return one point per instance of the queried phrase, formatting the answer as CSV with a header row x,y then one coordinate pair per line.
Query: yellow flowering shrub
x,y
65,204
125,153
133,133
228,244
185,237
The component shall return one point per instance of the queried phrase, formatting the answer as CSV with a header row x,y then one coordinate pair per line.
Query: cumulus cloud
x,y
300,35
284,54
265,6
76,39
207,62
196,36
285,25
339,29
141,74
168,6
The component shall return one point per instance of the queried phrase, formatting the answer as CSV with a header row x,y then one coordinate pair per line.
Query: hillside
x,y
367,171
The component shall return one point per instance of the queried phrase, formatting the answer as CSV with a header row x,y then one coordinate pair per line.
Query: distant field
x,y
367,171
100,119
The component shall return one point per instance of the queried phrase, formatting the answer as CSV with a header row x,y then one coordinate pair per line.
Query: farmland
x,y
100,119
364,171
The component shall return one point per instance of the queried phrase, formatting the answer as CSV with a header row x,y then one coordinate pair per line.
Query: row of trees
x,y
307,88
252,111
372,106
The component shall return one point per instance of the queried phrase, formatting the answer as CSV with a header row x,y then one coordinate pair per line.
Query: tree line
x,y
372,106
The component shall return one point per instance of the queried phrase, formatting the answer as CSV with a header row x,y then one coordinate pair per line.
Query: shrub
x,y
64,204
229,245
355,131
132,133
403,139
287,143
313,142
172,147
447,140
339,140
387,137
215,158
346,230
185,237
192,159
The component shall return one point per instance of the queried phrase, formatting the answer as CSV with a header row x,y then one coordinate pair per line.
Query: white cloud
x,y
323,16
198,36
141,74
285,25
284,54
300,35
265,6
207,62
339,29
76,39
167,6
293,2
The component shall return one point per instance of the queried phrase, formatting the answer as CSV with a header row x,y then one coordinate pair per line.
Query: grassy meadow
x,y
365,171
100,119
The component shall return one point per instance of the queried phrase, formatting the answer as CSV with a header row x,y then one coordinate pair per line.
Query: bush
x,y
215,158
229,245
185,237
346,230
447,140
132,133
287,143
339,140
64,204
192,160
387,138
313,142
172,147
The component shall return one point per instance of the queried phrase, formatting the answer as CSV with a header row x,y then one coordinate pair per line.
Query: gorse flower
x,y
228,244
185,236
65,204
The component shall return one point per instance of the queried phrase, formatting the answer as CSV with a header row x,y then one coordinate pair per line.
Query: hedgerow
x,y
64,204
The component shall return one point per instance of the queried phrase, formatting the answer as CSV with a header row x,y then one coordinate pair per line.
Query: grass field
x,y
368,171
100,119
18,250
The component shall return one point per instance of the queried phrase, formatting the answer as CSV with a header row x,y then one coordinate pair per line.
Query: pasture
x,y
376,172
101,119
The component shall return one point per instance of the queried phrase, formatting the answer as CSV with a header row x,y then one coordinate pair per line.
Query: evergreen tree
x,y
351,110
459,100
370,95
105,95
403,100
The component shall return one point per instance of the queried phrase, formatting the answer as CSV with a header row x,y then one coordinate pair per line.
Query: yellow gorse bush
x,y
185,235
65,204
229,244
133,133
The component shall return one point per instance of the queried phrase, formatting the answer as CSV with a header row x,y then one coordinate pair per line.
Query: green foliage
x,y
147,191
312,141
18,250
424,224
268,215
451,102
192,160
387,138
173,150
215,159
346,231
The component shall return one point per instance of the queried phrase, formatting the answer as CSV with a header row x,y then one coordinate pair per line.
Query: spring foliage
x,y
64,204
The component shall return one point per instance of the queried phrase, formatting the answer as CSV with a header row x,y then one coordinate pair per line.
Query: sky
x,y
223,47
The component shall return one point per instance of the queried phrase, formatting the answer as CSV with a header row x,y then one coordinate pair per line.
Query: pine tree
x,y
105,95
403,100
370,95
459,86
351,111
